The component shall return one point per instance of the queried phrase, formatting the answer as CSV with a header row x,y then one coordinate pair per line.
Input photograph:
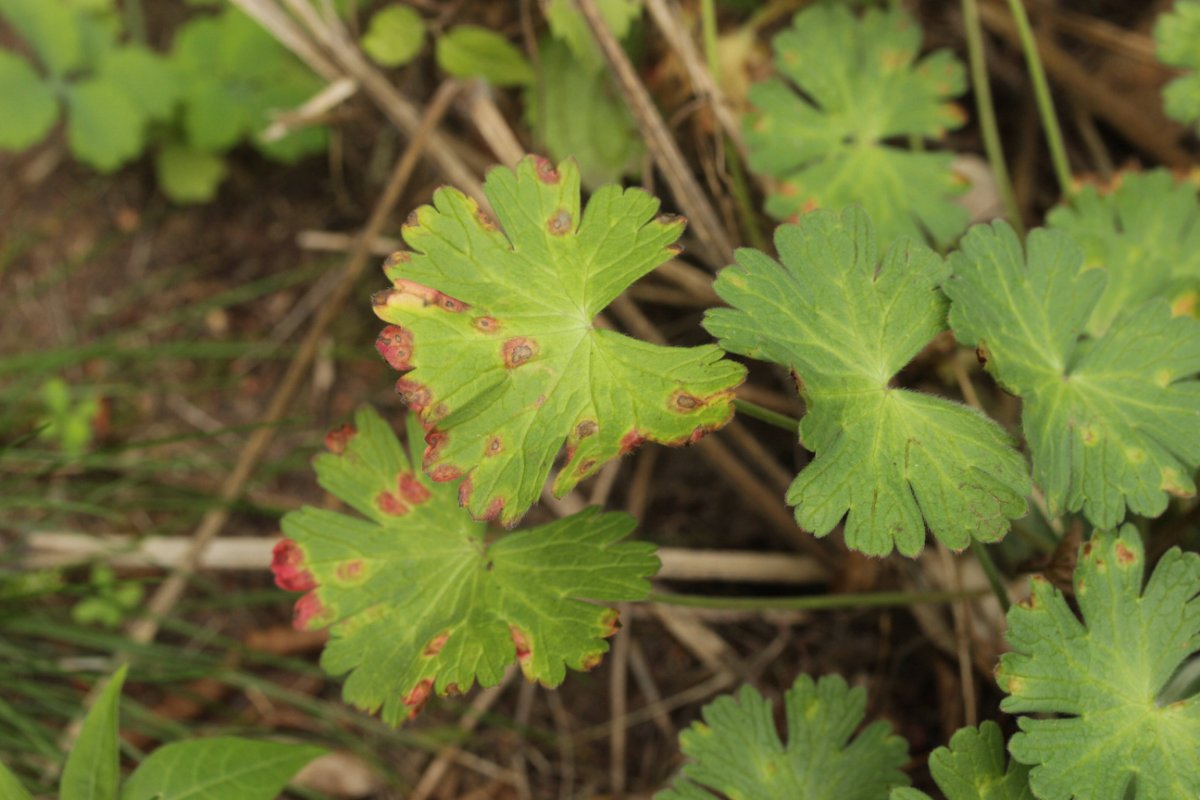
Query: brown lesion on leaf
x,y
464,491
683,402
411,488
518,350
289,565
415,698
391,504
559,223
338,439
436,644
486,324
1174,483
396,259
611,621
1125,556
493,511
521,643
412,220
309,612
486,220
585,466
590,661
395,344
586,428
495,446
410,294
350,571
981,353
445,473
415,395
545,171
630,441
668,220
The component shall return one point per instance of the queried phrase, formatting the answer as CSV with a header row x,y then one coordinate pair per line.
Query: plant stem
x,y
986,110
820,602
1041,90
708,24
992,573
741,197
766,415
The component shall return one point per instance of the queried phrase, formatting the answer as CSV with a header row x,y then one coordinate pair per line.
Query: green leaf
x,y
1112,421
574,113
144,77
496,326
736,751
104,129
28,108
469,51
829,147
187,175
394,35
568,25
51,28
972,768
1145,234
1102,677
218,769
419,602
94,766
10,787
1177,34
889,460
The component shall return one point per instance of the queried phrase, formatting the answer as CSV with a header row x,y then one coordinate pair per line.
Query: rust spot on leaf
x,y
494,446
520,642
591,661
1125,556
683,402
586,428
670,219
585,466
559,223
486,220
1174,484
517,351
486,324
452,689
390,504
464,491
308,612
395,344
350,571
611,622
981,353
396,259
288,562
415,395
339,438
493,511
436,644
411,488
630,441
412,220
546,173
445,473
416,697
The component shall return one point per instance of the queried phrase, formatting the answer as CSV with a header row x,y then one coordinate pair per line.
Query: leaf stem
x,y
992,573
986,110
820,602
708,23
1041,90
766,415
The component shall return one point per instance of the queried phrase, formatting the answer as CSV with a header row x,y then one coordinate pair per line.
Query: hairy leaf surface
x,y
418,601
1144,233
1177,34
890,461
736,751
1102,676
495,323
1112,422
972,768
824,128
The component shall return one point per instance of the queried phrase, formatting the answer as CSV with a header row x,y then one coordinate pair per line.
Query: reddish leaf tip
x,y
308,612
416,697
415,395
436,644
521,643
288,566
338,439
395,344
545,171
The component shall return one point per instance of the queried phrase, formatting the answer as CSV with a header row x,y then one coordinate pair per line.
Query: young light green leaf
x,y
568,26
574,113
736,751
418,602
1111,422
1177,34
972,768
1145,234
218,769
145,78
94,765
394,35
50,28
496,326
469,51
889,460
1103,676
187,175
828,146
10,787
104,128
28,109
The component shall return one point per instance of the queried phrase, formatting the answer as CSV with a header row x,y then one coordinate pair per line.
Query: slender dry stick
x,y
961,612
817,602
618,687
706,224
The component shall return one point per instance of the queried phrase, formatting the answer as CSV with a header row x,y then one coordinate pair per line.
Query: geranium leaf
x,y
861,86
1145,234
188,175
889,460
1112,422
146,78
495,322
469,51
52,29
736,751
22,88
1102,676
1177,34
418,602
104,128
972,768
568,26
394,35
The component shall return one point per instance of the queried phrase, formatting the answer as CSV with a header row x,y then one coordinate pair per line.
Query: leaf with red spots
x,y
418,602
493,321
889,460
832,143
1102,723
1112,421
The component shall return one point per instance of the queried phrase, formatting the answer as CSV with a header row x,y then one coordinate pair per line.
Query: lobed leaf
x,y
1177,34
1144,233
972,768
1101,676
22,88
419,602
736,751
104,128
495,323
1112,422
847,87
891,461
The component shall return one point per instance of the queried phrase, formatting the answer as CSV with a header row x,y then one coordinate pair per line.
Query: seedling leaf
x,y
568,25
736,751
104,127
218,769
1145,234
469,51
1103,676
1112,422
859,85
972,768
394,35
22,88
889,460
188,175
418,602
496,326
52,30
1177,34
